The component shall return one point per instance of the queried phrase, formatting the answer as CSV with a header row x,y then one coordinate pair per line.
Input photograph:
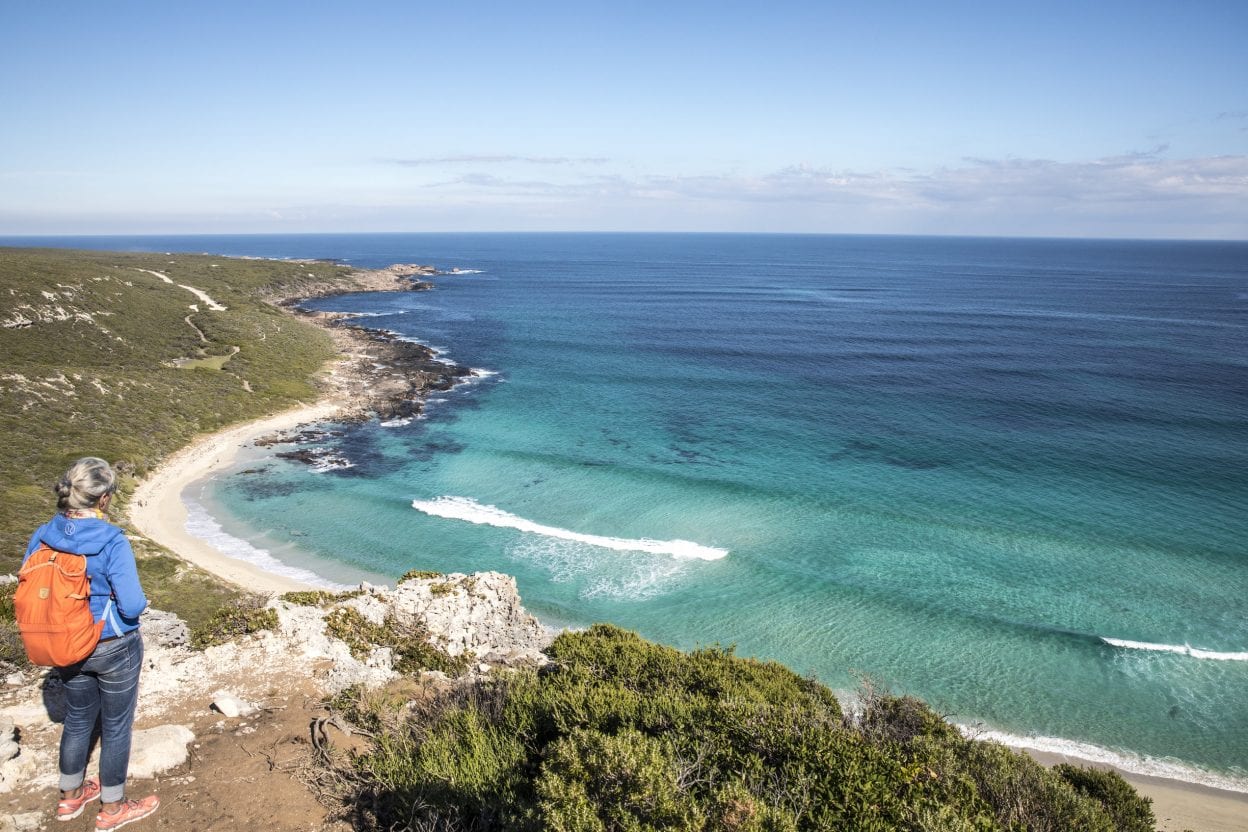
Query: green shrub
x,y
1129,810
318,597
12,651
1025,795
594,782
417,575
621,734
409,645
231,622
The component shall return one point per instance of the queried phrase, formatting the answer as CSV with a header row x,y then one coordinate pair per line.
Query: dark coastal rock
x,y
394,375
383,375
299,436
325,459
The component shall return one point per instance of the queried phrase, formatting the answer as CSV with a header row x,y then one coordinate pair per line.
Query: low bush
x,y
418,575
230,622
409,644
12,651
1128,809
621,734
318,597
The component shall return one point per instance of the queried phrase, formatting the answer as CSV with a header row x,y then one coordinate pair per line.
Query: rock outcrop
x,y
477,618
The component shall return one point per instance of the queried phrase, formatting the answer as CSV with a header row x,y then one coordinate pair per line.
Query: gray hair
x,y
87,481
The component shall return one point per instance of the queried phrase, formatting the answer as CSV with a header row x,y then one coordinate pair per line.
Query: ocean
x,y
1009,476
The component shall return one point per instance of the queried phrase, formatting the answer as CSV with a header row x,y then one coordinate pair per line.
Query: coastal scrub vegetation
x,y
231,621
102,356
622,734
408,643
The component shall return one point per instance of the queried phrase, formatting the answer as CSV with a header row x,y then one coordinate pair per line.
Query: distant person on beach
x,y
104,687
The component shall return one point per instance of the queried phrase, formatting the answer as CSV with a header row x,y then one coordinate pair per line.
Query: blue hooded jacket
x,y
110,565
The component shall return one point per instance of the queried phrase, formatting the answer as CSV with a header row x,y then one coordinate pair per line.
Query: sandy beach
x,y
158,511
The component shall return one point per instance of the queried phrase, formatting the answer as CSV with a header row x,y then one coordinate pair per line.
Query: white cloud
x,y
1132,195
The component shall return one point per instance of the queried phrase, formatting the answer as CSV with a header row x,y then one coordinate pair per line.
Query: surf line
x,y
468,509
1181,649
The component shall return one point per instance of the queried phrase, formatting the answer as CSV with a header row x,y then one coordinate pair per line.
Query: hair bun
x,y
62,488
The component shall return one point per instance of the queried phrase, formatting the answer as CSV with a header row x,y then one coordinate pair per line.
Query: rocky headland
x,y
201,706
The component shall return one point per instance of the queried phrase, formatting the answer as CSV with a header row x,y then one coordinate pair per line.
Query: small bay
x,y
1004,475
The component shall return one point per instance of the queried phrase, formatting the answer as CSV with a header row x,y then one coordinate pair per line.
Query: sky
x,y
1087,119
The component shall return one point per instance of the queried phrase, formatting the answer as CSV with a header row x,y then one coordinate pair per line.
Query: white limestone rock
x,y
230,706
156,750
473,615
25,822
163,628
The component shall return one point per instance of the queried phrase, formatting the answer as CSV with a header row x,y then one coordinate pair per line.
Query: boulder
x,y
164,629
156,750
25,822
229,705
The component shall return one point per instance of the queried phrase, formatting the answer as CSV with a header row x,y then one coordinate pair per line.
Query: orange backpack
x,y
53,606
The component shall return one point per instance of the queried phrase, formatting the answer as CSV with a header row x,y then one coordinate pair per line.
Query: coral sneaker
x,y
128,812
71,807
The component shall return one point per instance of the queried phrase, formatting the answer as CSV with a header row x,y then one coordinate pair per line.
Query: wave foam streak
x,y
1181,649
468,509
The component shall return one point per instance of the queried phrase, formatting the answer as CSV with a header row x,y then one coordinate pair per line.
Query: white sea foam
x,y
202,525
330,463
600,574
1181,649
397,423
1134,763
466,508
386,314
463,271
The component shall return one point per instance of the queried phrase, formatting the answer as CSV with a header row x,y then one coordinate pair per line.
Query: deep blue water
x,y
956,465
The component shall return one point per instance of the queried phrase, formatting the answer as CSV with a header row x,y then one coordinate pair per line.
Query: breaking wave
x,y
468,509
1181,649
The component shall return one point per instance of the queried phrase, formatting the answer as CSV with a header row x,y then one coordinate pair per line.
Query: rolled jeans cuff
x,y
113,794
69,782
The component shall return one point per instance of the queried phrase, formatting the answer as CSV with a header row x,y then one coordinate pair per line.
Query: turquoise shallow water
x,y
1007,476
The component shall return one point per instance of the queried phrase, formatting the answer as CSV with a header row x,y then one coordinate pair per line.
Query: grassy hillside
x,y
103,358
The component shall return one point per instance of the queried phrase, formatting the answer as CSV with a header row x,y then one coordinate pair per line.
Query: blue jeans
x,y
104,686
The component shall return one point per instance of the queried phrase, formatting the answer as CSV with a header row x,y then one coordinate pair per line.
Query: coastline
x,y
374,373
158,511
1177,804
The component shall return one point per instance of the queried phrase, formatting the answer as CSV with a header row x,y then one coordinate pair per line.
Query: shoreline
x,y
157,511
1177,804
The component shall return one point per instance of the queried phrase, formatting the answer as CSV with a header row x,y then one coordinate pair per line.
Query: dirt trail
x,y
199,293
242,773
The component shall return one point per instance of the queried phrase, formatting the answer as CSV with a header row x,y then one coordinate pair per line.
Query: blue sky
x,y
1082,119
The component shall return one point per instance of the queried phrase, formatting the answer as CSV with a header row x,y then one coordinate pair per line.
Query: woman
x,y
105,685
